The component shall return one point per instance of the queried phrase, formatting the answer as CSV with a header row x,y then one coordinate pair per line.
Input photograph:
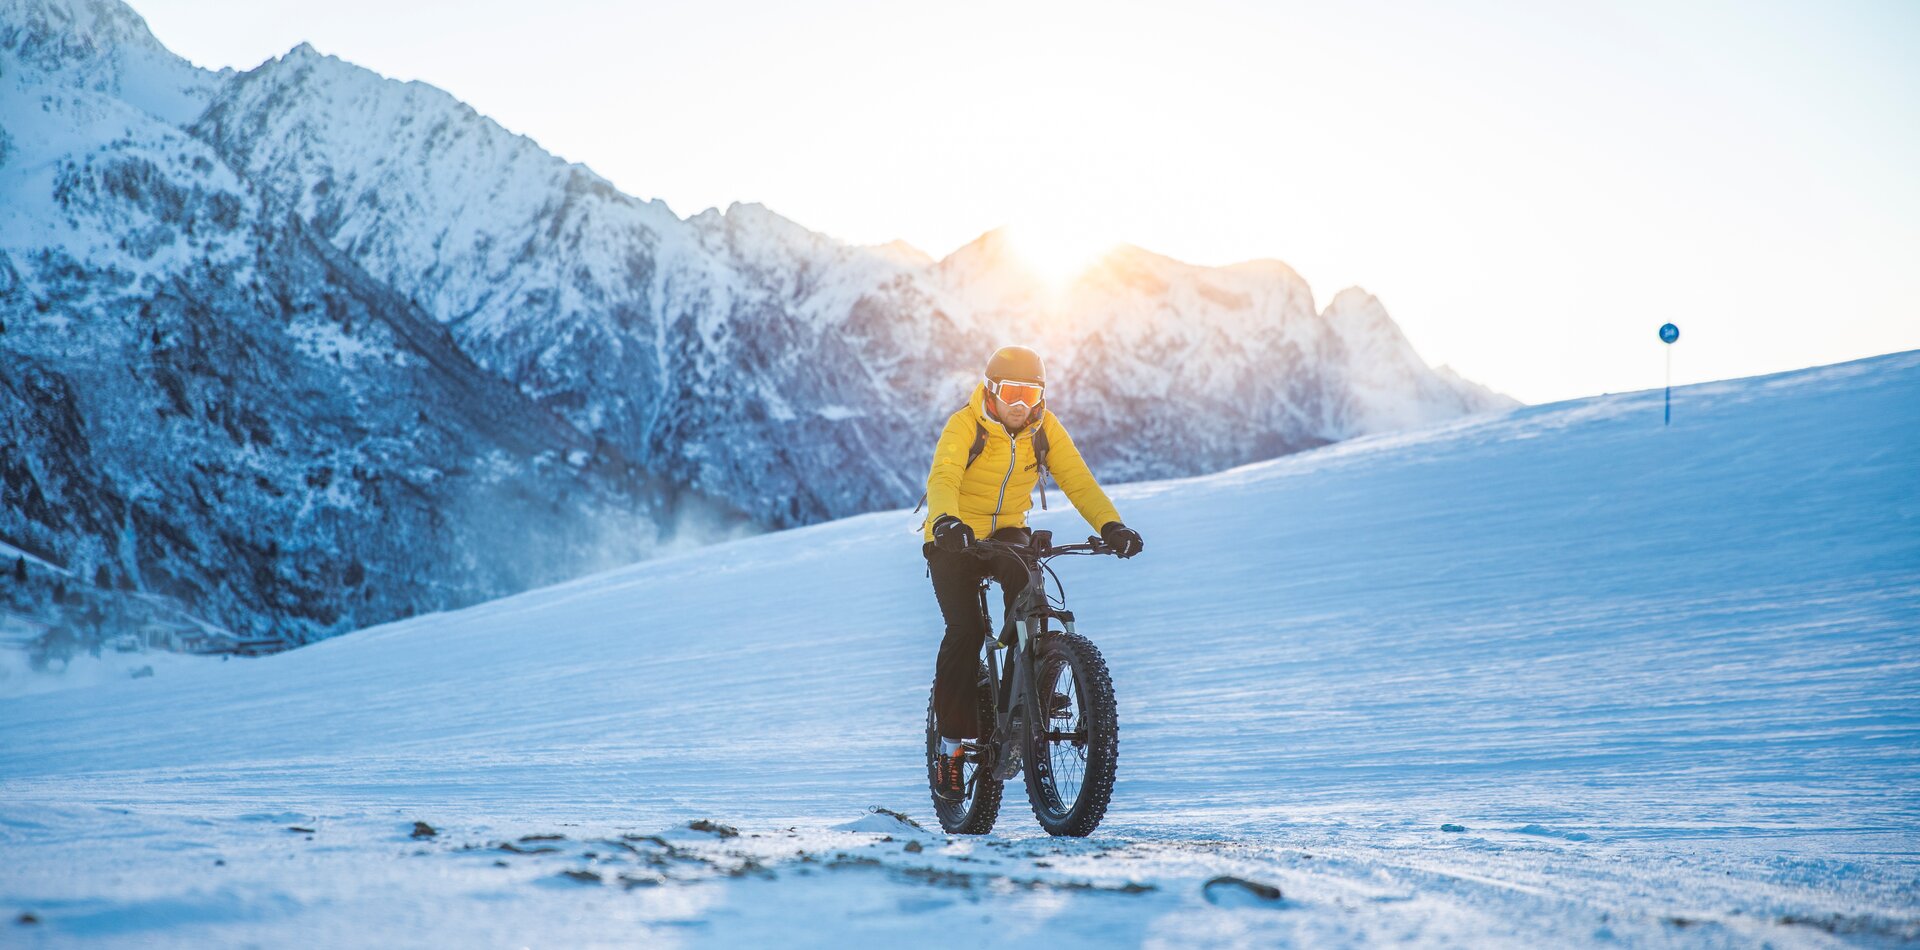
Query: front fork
x,y
1017,675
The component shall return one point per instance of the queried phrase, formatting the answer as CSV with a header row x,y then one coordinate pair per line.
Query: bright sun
x,y
1056,253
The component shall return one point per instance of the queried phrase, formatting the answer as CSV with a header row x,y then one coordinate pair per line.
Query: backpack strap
x,y
1040,458
973,455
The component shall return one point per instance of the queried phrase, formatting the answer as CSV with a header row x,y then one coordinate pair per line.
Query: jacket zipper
x,y
1013,459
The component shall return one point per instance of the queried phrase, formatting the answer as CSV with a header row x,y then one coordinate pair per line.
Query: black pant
x,y
956,582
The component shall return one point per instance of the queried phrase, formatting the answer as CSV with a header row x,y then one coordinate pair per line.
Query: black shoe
x,y
949,778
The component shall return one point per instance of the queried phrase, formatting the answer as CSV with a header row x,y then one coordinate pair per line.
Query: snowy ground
x,y
1665,681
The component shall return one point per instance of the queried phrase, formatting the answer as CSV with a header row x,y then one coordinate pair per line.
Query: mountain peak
x,y
104,47
990,245
1140,256
1355,296
991,270
753,223
91,25
1356,314
903,252
753,212
74,29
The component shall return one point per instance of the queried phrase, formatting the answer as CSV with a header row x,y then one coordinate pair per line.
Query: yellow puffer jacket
x,y
996,491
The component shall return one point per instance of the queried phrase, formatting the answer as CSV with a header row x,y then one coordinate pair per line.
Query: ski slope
x,y
1665,681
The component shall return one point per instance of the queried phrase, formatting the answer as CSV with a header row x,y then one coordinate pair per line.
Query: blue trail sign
x,y
1668,334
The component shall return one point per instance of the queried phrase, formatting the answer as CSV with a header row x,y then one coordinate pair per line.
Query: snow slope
x,y
1664,680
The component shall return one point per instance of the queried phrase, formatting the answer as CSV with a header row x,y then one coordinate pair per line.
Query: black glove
x,y
952,534
1123,540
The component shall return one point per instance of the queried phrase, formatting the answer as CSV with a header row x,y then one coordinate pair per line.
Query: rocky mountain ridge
x,y
301,345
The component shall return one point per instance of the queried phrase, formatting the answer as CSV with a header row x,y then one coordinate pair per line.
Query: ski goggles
x,y
1015,393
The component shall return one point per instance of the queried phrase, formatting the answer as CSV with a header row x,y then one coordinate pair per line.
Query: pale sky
x,y
1531,189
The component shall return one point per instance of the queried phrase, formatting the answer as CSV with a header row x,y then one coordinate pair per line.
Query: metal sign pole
x,y
1668,334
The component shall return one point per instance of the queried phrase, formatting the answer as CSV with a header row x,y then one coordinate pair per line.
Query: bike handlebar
x,y
988,547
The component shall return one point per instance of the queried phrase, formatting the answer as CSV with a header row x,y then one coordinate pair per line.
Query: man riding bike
x,y
985,467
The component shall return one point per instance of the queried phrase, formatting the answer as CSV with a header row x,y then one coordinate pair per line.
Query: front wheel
x,y
1076,743
975,814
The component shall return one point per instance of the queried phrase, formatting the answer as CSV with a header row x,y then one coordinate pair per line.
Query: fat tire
x,y
1095,686
975,815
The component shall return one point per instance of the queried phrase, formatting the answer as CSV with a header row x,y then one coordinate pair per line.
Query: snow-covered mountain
x,y
204,399
1560,677
270,330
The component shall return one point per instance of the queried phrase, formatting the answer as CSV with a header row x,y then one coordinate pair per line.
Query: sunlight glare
x,y
1056,253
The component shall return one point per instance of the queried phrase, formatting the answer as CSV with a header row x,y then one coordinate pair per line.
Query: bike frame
x,y
1025,624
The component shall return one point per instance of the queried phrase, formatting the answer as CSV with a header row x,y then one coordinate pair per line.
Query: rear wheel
x,y
1075,744
975,814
